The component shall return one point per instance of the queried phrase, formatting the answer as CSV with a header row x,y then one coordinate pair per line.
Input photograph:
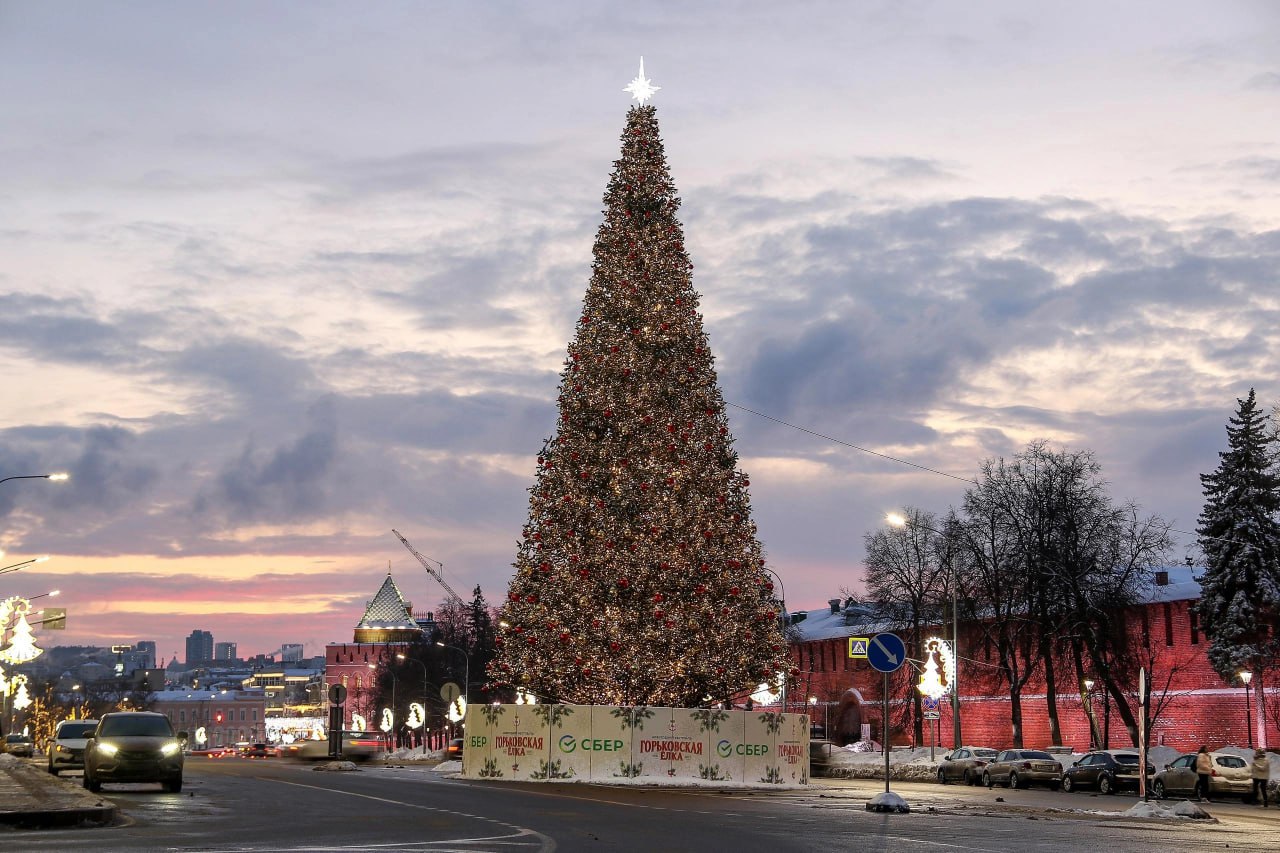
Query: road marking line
x,y
548,844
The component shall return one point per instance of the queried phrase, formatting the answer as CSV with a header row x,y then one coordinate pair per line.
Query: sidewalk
x,y
30,798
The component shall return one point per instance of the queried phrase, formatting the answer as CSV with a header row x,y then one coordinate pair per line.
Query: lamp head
x,y
895,520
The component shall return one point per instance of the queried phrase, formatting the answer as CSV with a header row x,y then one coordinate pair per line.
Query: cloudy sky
x,y
276,278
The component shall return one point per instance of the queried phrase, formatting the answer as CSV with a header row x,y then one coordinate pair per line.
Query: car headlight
x,y
107,749
170,749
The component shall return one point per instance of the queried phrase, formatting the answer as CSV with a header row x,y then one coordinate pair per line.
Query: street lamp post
x,y
17,566
1245,677
392,733
1088,709
55,477
425,706
466,660
897,520
783,601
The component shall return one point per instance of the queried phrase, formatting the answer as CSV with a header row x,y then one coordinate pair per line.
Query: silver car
x,y
66,750
1230,777
965,764
1018,768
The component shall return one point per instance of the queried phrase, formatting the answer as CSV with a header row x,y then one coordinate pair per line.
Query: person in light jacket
x,y
1204,769
1260,771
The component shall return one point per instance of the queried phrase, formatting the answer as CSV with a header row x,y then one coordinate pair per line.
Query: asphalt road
x,y
271,805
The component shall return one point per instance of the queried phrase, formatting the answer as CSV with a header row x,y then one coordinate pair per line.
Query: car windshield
x,y
140,726
18,739
1035,753
76,730
1126,758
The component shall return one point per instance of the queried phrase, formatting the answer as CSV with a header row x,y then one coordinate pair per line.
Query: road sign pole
x,y
884,734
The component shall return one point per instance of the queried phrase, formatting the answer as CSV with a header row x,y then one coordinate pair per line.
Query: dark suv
x,y
1107,771
133,746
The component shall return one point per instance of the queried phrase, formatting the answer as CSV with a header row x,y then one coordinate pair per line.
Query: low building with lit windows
x,y
227,716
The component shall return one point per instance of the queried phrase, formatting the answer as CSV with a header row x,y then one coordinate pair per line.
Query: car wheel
x,y
1105,785
1014,781
1067,785
986,779
942,776
1158,790
53,771
91,782
174,786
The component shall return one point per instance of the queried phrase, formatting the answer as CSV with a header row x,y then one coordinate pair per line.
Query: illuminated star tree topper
x,y
641,88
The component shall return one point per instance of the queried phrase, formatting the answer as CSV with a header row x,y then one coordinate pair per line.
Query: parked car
x,y
1107,770
1230,778
134,746
1018,768
356,746
453,752
965,764
18,744
66,750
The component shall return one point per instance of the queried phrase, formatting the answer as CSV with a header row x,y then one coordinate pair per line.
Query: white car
x,y
66,750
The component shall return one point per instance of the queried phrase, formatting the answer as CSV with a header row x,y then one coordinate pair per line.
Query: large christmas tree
x,y
639,578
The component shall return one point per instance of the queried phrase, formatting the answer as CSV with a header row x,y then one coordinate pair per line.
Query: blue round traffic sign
x,y
886,652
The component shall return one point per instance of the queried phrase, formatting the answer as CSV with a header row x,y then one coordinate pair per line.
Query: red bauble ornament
x,y
659,596
624,583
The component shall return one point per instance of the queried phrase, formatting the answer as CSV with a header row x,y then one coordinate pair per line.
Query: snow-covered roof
x,y
858,619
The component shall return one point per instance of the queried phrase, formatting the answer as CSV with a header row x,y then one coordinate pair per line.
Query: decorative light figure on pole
x,y
1245,677
425,704
897,520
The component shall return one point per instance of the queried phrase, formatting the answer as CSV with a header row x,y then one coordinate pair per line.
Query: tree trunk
x,y
1015,716
1050,692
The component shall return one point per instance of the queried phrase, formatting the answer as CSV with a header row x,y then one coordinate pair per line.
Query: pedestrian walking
x,y
1260,771
1204,769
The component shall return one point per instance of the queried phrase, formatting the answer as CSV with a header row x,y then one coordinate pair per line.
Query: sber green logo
x,y
724,749
568,743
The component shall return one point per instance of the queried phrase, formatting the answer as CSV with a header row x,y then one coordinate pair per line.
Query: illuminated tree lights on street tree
x,y
639,579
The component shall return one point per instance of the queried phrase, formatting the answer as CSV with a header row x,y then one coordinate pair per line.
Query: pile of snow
x,y
336,766
7,760
454,766
888,801
415,754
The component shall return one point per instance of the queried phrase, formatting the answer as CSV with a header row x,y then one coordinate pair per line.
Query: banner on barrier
x,y
602,743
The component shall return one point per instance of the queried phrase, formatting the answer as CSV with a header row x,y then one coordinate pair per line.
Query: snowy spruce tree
x,y
1240,537
639,579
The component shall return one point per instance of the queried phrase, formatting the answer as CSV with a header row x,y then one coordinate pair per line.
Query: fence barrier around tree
x,y
600,743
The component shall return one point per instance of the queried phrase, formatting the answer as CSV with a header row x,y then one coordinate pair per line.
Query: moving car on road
x,y
965,764
1108,771
18,744
66,750
1230,778
133,746
356,746
1018,768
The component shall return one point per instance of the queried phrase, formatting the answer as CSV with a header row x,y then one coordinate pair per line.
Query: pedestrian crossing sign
x,y
858,647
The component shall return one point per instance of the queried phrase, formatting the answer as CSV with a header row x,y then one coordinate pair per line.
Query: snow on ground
x,y
454,766
415,754
7,760
336,766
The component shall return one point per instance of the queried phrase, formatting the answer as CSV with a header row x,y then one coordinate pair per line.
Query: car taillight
x,y
1026,765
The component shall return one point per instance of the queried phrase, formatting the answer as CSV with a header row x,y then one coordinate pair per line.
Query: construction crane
x,y
426,564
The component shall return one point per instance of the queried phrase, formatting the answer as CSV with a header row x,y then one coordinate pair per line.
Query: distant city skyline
x,y
276,279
